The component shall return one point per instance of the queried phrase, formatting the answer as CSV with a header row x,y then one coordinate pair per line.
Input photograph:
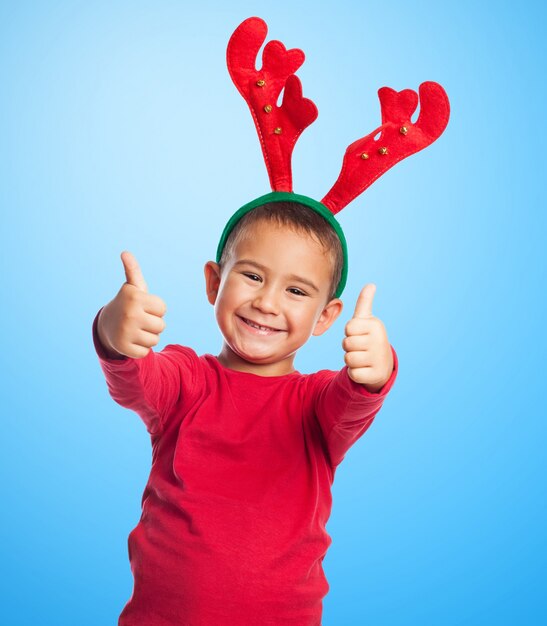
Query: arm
x,y
352,399
154,386
151,386
124,332
345,410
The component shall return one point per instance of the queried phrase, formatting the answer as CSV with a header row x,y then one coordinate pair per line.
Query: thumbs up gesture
x,y
131,323
368,353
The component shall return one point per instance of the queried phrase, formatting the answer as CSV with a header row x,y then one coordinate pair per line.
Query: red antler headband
x,y
279,127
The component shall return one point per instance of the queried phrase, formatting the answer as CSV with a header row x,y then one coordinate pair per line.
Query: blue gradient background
x,y
120,129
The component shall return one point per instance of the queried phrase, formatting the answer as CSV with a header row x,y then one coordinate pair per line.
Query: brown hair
x,y
300,218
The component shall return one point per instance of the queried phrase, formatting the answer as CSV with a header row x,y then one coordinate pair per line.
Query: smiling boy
x,y
275,289
244,447
272,290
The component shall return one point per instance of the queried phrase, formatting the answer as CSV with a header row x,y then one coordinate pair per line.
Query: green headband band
x,y
283,196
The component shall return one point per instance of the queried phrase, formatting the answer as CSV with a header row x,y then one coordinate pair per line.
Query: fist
x,y
368,353
131,323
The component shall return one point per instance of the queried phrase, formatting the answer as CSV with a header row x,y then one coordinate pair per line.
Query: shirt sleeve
x,y
345,410
155,386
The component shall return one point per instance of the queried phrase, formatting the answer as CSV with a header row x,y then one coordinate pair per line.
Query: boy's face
x,y
270,297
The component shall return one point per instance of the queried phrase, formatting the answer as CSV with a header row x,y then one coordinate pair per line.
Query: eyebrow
x,y
294,277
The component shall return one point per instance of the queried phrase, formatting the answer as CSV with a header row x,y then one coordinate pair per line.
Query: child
x,y
244,447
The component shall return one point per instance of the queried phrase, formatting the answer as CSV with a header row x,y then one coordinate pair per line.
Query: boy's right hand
x,y
131,323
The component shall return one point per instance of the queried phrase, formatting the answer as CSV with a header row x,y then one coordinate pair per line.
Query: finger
x,y
153,324
136,352
363,308
146,339
358,326
154,305
133,274
357,359
356,342
362,375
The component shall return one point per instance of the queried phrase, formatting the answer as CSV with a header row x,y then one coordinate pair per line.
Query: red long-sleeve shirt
x,y
232,531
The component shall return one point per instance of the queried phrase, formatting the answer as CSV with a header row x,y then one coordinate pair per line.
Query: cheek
x,y
306,317
227,297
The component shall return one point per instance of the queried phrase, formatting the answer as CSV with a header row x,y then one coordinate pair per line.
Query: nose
x,y
266,300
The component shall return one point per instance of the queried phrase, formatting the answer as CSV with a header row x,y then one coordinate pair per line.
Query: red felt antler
x,y
278,127
367,159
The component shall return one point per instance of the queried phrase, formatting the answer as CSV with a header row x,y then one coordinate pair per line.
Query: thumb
x,y
363,308
133,272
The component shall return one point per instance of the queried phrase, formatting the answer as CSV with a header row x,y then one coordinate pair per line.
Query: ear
x,y
212,280
328,316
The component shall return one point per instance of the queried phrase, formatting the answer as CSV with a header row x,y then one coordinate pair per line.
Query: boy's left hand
x,y
368,353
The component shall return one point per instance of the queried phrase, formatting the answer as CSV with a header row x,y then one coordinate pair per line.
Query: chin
x,y
257,359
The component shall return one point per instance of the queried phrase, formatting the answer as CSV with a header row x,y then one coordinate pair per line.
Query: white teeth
x,y
258,325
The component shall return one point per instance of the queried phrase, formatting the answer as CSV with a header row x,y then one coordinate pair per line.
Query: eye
x,y
251,276
296,291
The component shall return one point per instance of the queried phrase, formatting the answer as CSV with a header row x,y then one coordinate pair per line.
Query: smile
x,y
266,330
